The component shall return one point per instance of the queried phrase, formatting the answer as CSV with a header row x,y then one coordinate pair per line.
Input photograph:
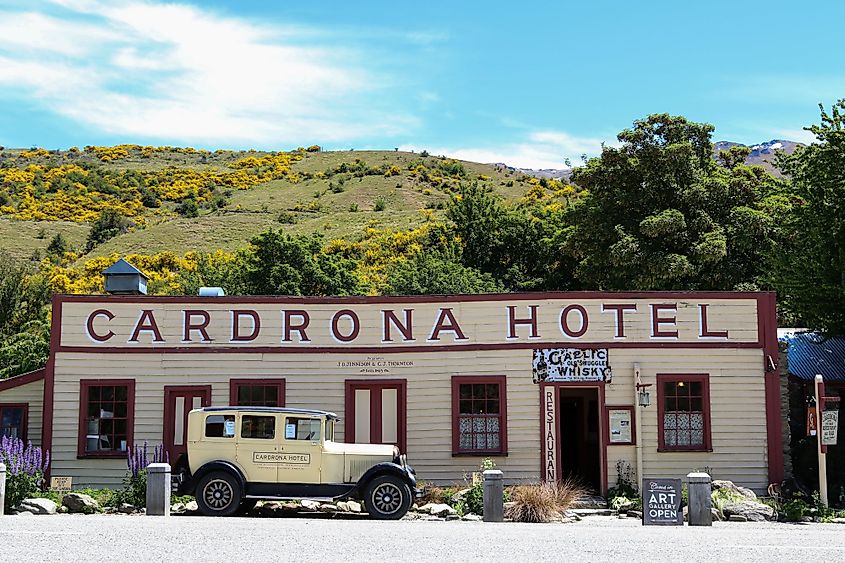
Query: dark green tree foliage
x,y
281,264
109,225
513,243
660,213
24,336
437,273
58,246
809,268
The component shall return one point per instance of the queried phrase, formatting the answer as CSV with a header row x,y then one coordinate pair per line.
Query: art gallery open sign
x,y
571,364
662,502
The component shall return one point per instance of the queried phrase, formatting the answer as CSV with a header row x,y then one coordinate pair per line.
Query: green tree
x,y
26,350
809,267
23,295
110,224
514,243
281,264
433,273
660,213
57,247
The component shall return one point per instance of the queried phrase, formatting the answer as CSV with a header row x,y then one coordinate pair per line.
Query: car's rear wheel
x,y
218,494
387,497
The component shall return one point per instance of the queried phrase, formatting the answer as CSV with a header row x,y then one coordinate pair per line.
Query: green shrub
x,y
286,217
380,204
794,510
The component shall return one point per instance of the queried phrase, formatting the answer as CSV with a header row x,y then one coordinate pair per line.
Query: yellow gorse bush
x,y
162,269
73,193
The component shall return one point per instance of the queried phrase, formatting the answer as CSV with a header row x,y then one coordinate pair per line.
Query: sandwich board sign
x,y
662,502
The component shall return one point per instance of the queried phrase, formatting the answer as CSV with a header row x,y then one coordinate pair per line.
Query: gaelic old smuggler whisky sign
x,y
571,364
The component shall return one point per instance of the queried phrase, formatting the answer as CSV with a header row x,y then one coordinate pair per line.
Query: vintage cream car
x,y
239,455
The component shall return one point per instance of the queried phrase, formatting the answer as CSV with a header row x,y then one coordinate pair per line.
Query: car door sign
x,y
278,457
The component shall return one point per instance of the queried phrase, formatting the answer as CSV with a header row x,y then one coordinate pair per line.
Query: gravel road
x,y
190,538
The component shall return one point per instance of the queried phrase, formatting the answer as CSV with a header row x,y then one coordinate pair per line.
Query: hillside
x,y
338,194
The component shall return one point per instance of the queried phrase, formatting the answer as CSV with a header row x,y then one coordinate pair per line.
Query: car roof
x,y
282,410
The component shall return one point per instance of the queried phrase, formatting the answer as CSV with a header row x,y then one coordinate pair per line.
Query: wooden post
x,y
494,499
822,449
698,487
158,489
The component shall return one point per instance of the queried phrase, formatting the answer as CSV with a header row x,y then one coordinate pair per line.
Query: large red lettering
x,y
89,324
146,323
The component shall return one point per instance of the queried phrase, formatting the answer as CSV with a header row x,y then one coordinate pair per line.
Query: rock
x,y
719,484
592,511
24,513
715,515
80,503
750,510
106,509
459,496
747,493
425,508
472,517
635,514
311,505
442,510
192,506
38,506
737,518
63,510
327,508
343,506
354,506
837,521
126,508
177,508
451,517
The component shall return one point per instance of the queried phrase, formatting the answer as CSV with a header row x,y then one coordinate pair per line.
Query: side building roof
x,y
811,353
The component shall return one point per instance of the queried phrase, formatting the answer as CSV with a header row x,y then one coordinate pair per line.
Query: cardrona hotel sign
x,y
523,322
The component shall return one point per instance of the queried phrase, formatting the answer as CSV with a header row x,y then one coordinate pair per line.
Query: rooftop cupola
x,y
122,278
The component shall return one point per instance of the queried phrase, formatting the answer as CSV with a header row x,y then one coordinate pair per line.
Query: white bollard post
x,y
2,487
494,499
158,489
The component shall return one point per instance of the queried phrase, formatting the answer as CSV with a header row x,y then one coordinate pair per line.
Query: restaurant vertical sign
x,y
549,434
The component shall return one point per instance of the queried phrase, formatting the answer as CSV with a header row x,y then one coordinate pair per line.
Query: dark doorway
x,y
580,438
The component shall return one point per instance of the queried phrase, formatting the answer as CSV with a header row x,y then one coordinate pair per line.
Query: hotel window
x,y
257,392
479,415
106,417
13,420
683,412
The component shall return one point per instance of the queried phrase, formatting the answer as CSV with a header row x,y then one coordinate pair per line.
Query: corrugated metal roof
x,y
809,353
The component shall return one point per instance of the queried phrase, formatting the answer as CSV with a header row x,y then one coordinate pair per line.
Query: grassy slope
x,y
257,209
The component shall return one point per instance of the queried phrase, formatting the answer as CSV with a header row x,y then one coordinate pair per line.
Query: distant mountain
x,y
762,153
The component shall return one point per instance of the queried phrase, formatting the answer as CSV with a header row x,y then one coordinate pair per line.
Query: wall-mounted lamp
x,y
643,396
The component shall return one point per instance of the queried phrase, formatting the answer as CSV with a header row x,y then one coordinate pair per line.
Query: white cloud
x,y
798,135
178,72
538,150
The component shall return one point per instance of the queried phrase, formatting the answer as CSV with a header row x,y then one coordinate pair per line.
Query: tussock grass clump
x,y
543,502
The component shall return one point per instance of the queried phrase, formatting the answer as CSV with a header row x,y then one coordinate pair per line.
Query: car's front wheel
x,y
387,497
218,494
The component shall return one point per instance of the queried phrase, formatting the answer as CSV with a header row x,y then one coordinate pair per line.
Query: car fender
x,y
386,468
219,465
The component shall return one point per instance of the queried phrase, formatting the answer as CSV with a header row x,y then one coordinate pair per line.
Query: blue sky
x,y
527,83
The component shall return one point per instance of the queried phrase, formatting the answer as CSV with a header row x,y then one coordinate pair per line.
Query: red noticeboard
x,y
811,421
